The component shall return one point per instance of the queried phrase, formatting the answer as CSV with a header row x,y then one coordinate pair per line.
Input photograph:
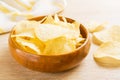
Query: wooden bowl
x,y
51,63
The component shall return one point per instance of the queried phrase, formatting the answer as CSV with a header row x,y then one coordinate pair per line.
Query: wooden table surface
x,y
83,11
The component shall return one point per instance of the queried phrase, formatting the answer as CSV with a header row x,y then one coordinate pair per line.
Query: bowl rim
x,y
70,52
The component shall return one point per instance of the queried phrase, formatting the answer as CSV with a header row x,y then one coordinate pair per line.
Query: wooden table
x,y
83,11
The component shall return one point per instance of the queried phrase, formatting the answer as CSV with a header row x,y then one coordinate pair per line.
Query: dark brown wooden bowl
x,y
51,63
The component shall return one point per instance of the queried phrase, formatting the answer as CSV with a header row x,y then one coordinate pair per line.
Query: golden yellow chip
x,y
40,44
41,21
56,19
24,34
58,46
28,38
27,46
64,19
49,20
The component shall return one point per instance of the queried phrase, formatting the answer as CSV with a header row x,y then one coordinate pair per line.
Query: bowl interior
x,y
83,32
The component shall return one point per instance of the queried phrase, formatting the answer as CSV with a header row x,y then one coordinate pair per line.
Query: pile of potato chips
x,y
49,36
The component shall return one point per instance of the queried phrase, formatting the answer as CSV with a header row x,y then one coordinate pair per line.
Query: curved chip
x,y
26,26
111,34
108,53
48,31
58,46
28,46
95,27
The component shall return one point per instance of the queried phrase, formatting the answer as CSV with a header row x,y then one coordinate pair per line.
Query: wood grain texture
x,y
83,11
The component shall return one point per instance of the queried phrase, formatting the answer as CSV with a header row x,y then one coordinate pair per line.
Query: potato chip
x,y
58,46
64,19
95,27
49,20
111,34
24,34
56,19
115,33
48,31
25,26
65,25
99,28
27,46
41,21
108,53
79,40
101,37
76,27
40,44
30,38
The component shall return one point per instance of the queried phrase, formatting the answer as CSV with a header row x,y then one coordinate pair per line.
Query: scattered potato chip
x,y
95,27
108,53
101,37
111,34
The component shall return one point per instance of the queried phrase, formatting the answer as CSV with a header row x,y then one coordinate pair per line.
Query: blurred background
x,y
97,10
